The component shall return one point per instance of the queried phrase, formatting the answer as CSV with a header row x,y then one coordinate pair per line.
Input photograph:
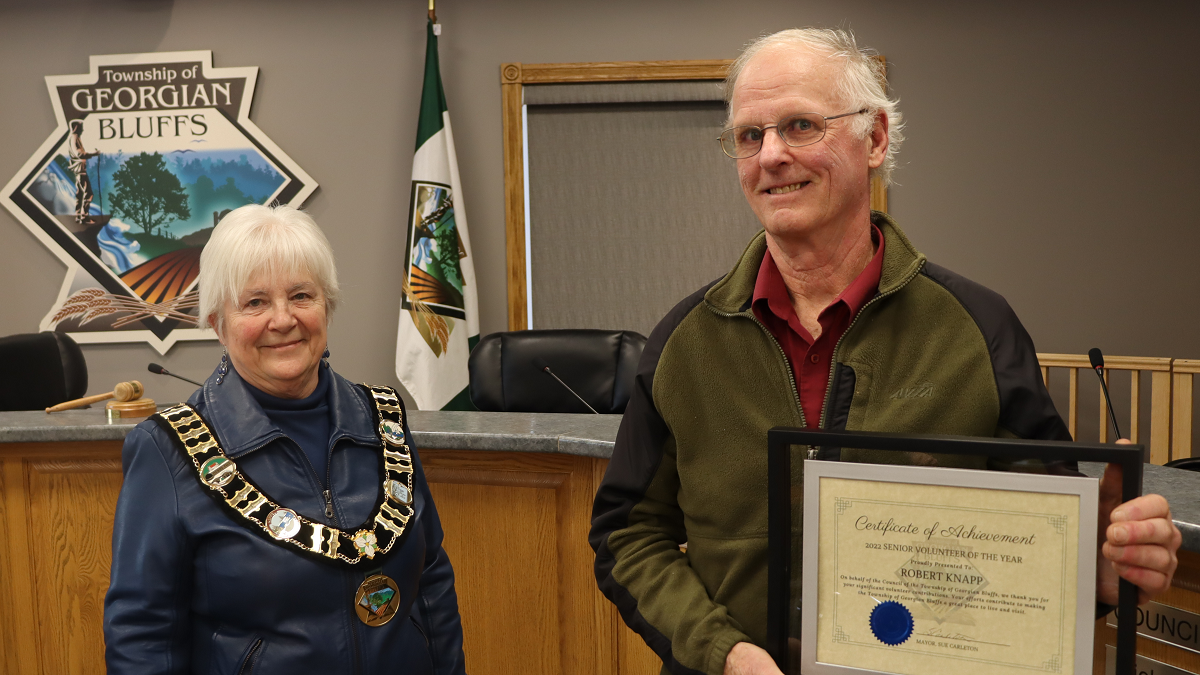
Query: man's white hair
x,y
859,85
279,240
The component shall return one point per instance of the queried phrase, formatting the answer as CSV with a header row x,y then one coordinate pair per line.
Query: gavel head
x,y
128,391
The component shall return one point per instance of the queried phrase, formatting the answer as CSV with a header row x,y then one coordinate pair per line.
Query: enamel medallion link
x,y
221,476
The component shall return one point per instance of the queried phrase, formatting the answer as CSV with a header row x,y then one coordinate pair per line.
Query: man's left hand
x,y
1140,541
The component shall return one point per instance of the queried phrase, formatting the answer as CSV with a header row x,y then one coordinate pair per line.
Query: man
x,y
828,318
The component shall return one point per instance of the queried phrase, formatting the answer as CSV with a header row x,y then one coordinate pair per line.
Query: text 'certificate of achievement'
x,y
916,570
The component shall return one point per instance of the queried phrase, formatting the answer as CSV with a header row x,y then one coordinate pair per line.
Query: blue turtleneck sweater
x,y
304,420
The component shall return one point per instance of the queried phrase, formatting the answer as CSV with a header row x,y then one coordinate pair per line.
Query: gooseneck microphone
x,y
159,370
1097,360
545,367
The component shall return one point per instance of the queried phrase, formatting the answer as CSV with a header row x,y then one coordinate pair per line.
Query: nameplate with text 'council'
x,y
1166,624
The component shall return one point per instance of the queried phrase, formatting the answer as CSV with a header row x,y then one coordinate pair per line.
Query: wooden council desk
x,y
523,572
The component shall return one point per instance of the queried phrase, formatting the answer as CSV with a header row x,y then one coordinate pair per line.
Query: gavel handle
x,y
79,402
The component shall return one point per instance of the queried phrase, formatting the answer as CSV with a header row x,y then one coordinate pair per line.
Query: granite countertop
x,y
584,435
1180,487
83,424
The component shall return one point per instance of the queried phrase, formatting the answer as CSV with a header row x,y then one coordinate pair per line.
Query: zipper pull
x,y
328,504
812,452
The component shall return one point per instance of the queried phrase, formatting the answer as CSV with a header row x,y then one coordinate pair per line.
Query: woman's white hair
x,y
859,85
279,240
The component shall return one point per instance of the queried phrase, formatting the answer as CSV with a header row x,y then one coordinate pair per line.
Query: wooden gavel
x,y
124,391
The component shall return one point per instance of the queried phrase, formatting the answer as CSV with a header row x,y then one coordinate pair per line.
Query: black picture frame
x,y
779,507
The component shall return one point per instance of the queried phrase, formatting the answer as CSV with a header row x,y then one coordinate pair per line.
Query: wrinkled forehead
x,y
782,77
276,275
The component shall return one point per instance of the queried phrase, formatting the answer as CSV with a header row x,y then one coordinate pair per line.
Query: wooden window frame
x,y
513,78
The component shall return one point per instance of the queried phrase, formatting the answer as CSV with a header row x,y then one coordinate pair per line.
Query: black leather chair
x,y
507,370
38,370
1188,463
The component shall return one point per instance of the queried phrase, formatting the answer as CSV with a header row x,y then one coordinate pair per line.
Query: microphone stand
x,y
545,367
1097,360
159,370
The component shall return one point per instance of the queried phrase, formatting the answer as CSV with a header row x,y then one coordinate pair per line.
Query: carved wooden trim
x,y
621,71
879,195
1181,365
59,449
510,72
532,479
1182,406
879,191
514,195
1147,363
76,465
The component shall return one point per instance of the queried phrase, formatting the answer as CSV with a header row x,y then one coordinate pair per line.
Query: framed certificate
x,y
881,568
914,569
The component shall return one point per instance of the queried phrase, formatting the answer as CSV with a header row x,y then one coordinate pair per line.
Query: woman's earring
x,y
326,354
223,369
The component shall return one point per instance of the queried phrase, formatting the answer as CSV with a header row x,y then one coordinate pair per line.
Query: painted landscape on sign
x,y
143,227
152,210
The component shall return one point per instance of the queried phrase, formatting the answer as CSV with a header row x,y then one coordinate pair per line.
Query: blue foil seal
x,y
891,622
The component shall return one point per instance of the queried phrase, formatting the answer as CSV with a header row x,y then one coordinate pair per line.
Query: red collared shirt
x,y
811,360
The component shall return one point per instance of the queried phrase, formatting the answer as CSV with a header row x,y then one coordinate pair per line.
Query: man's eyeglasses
x,y
797,131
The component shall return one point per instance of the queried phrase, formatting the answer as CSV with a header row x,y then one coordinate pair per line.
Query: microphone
x,y
159,370
1097,360
545,367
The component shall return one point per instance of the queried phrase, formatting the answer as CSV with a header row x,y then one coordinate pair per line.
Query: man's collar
x,y
769,286
899,264
866,284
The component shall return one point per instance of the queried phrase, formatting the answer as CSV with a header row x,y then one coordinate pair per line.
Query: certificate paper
x,y
918,570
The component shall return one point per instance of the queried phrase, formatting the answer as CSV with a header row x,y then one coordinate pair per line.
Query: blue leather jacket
x,y
194,591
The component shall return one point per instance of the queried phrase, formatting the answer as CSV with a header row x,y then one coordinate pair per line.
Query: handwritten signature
x,y
950,635
938,632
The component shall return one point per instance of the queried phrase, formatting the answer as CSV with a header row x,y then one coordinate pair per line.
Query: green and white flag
x,y
439,314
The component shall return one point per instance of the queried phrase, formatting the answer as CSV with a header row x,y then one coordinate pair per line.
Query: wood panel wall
x,y
516,530
57,516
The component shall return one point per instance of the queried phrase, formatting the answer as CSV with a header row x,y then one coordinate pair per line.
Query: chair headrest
x,y
38,370
1186,463
507,370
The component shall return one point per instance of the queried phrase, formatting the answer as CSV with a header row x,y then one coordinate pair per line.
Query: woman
x,y
279,522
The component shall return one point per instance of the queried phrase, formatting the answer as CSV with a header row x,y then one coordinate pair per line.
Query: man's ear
x,y
878,140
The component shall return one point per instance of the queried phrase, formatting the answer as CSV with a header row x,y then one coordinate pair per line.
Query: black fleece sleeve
x,y
637,527
1026,409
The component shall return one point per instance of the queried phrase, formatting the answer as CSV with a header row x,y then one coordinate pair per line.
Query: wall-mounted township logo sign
x,y
151,150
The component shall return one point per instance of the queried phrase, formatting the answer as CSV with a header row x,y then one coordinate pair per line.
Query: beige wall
x,y
1051,152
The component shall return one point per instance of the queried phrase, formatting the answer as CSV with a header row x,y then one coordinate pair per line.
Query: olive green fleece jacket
x,y
932,352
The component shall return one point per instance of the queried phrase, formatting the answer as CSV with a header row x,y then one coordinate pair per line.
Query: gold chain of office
x,y
221,478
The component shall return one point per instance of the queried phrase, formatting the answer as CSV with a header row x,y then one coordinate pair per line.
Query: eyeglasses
x,y
797,131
